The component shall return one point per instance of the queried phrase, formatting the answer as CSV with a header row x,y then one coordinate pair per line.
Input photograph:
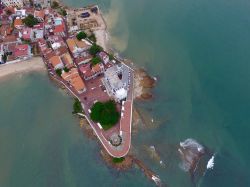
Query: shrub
x,y
95,60
94,49
55,5
92,37
62,12
59,72
118,160
66,69
77,107
81,35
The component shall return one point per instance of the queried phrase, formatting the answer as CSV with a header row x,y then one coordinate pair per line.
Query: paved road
x,y
125,126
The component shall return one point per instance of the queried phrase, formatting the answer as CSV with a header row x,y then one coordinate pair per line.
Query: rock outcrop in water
x,y
194,158
143,85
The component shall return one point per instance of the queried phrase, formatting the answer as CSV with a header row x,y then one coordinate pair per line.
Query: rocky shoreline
x,y
143,85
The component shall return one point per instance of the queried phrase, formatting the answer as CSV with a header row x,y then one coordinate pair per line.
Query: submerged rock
x,y
194,158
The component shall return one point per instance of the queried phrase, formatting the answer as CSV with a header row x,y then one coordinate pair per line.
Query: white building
x,y
116,80
13,3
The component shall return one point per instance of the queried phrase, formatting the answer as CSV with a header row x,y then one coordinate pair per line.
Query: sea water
x,y
198,50
41,143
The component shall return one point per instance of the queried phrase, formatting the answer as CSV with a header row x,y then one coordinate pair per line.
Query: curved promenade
x,y
124,127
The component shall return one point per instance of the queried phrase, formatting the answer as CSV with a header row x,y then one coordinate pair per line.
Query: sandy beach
x,y
33,64
102,38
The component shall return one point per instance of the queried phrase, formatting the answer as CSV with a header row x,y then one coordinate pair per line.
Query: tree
x,y
59,72
66,69
94,49
77,107
105,114
81,35
30,20
118,160
92,37
63,12
95,60
55,5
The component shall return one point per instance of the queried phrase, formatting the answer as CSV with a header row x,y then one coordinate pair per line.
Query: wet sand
x,y
33,64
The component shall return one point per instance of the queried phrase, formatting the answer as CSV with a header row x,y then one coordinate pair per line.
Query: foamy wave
x,y
210,163
157,180
191,143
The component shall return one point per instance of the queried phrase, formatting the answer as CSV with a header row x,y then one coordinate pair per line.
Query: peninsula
x,y
67,40
72,44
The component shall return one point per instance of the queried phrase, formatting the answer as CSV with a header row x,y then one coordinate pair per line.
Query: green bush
x,y
77,107
92,37
66,69
94,49
95,60
118,160
30,20
81,35
111,57
54,5
59,72
5,57
105,113
62,12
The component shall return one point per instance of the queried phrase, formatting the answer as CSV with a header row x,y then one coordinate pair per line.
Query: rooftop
x,y
117,76
18,22
59,28
39,14
55,60
67,60
21,50
74,79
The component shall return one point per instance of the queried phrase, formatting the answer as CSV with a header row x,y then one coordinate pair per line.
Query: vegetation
x,y
111,57
77,107
94,49
105,113
5,58
30,20
66,69
92,37
81,35
62,12
95,60
54,5
118,160
59,72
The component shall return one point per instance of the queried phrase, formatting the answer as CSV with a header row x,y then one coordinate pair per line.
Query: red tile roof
x,y
18,22
55,60
39,13
59,28
26,32
74,79
21,50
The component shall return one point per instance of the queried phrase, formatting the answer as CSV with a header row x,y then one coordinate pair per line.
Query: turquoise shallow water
x,y
199,50
41,143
